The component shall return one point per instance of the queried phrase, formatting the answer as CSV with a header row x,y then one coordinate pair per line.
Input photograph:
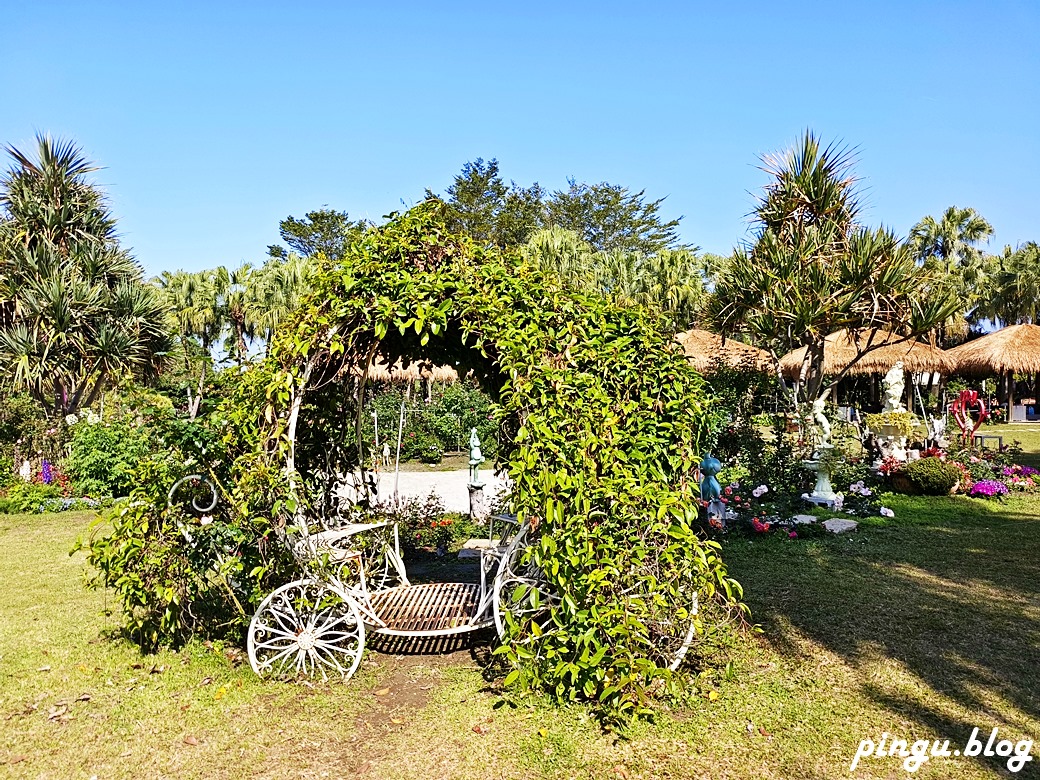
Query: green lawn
x,y
1026,433
922,626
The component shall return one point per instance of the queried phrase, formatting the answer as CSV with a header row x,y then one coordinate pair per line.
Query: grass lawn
x,y
1026,433
922,626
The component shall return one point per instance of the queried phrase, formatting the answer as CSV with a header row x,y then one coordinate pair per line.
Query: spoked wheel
x,y
521,590
306,629
673,629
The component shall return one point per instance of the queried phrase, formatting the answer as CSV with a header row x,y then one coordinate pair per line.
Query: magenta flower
x,y
988,488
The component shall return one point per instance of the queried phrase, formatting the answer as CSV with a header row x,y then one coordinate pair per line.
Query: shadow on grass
x,y
950,590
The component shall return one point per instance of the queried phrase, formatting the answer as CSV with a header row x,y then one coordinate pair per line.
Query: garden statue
x,y
711,490
962,409
478,506
822,461
937,431
821,420
475,458
25,472
893,383
386,455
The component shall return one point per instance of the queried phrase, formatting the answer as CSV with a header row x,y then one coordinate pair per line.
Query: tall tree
x,y
77,310
1014,287
611,217
950,245
326,231
481,205
669,282
813,269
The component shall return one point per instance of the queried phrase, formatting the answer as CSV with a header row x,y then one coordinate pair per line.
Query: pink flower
x,y
792,535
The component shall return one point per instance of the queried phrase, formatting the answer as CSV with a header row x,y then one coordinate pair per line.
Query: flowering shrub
x,y
988,488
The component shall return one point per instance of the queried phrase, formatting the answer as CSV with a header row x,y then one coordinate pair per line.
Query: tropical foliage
x,y
77,312
813,269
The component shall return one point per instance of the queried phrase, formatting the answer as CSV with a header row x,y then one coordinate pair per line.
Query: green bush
x,y
932,476
103,456
21,496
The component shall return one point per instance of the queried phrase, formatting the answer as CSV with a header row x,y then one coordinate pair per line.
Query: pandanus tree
x,y
812,269
77,311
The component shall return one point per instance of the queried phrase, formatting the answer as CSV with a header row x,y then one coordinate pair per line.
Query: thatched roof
x,y
1014,348
840,350
703,348
381,372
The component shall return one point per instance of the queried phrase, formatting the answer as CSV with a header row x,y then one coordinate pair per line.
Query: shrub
x,y
932,476
22,496
103,456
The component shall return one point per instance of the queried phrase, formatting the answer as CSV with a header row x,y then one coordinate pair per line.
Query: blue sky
x,y
216,120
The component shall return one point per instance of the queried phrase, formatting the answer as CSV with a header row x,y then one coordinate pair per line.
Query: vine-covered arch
x,y
603,413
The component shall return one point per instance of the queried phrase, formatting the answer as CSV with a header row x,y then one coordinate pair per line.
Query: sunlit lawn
x,y
923,626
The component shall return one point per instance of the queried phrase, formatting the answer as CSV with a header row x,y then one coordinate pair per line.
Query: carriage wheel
x,y
306,629
521,590
673,629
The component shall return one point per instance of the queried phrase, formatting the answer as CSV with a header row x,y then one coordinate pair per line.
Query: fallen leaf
x,y
763,732
543,732
157,670
83,697
396,721
185,708
713,696
137,666
621,772
480,728
57,711
44,669
126,754
17,759
382,692
219,693
205,681
190,740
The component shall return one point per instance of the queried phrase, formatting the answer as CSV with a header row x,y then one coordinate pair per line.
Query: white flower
x,y
839,502
760,491
206,520
71,419
886,512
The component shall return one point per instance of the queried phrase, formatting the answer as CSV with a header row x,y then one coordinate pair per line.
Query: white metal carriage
x,y
316,626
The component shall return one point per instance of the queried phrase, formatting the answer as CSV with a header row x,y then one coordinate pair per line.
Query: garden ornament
x,y
711,490
821,420
962,408
475,458
893,383
25,472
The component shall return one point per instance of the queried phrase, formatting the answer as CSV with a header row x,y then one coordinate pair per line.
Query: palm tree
x,y
669,282
1014,287
78,311
950,245
953,239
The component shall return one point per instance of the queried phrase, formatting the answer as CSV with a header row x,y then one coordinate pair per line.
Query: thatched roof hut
x,y
842,348
703,348
381,372
1015,348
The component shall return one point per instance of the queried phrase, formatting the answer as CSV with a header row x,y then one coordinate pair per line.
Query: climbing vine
x,y
601,418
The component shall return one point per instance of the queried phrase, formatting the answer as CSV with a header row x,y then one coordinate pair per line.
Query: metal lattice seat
x,y
436,608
